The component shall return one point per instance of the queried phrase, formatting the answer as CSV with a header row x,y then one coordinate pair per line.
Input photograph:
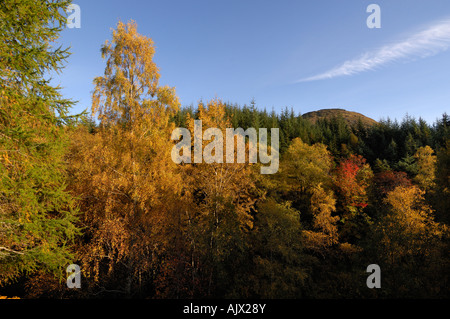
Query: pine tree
x,y
442,196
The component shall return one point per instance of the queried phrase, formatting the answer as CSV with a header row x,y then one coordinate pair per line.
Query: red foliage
x,y
388,180
351,179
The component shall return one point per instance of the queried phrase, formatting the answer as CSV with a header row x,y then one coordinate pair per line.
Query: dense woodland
x,y
100,189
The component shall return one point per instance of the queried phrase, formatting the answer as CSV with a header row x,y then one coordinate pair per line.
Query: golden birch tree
x,y
124,174
223,196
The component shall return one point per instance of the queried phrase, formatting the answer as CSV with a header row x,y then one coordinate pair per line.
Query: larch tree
x,y
325,231
426,166
37,214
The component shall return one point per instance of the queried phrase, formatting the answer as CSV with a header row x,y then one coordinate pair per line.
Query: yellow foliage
x,y
304,166
221,183
407,205
409,226
123,174
322,206
426,164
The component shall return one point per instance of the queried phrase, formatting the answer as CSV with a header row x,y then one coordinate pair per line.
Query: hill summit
x,y
352,118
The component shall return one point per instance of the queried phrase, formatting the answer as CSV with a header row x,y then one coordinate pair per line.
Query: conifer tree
x,y
426,165
37,213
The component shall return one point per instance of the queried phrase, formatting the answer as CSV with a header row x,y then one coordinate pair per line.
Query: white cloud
x,y
428,42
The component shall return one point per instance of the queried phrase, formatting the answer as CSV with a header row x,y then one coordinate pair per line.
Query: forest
x,y
100,189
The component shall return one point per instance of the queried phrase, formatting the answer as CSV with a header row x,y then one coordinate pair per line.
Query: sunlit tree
x,y
37,214
124,174
426,165
223,196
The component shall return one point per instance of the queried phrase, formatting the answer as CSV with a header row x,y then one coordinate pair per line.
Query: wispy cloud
x,y
431,41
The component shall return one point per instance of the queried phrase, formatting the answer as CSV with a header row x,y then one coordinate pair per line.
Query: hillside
x,y
351,117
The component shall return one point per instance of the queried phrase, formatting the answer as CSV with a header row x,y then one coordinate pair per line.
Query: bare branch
x,y
13,251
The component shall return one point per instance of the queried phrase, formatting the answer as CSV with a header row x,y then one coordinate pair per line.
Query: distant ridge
x,y
352,118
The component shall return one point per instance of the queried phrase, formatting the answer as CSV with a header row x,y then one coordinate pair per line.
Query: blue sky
x,y
305,55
